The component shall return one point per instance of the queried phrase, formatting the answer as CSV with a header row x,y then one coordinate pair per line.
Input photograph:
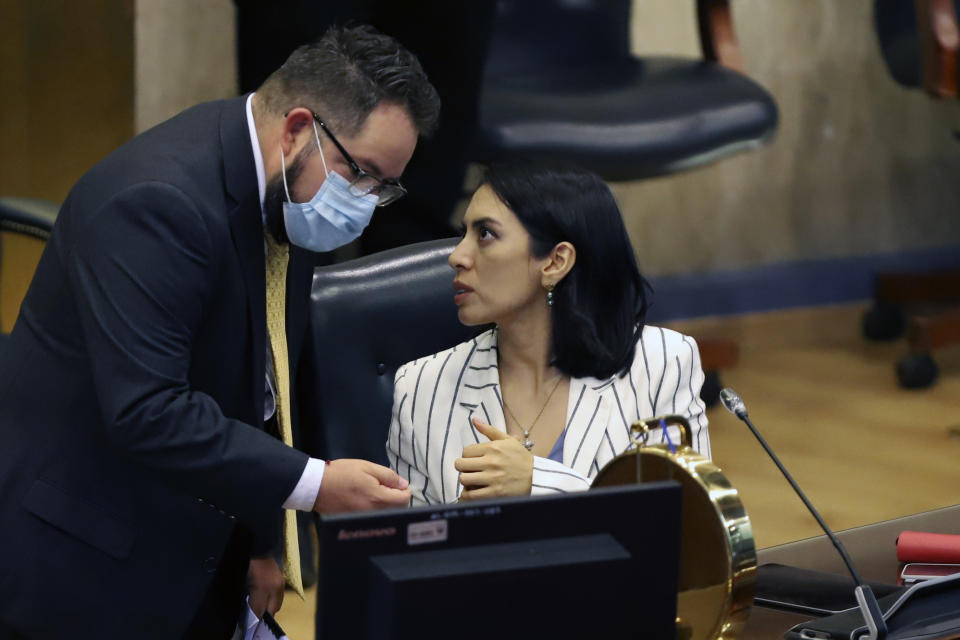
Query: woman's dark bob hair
x,y
600,306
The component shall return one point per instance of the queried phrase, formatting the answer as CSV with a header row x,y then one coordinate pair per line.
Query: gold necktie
x,y
277,258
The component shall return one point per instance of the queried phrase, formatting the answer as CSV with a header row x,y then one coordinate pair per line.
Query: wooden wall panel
x,y
19,256
67,82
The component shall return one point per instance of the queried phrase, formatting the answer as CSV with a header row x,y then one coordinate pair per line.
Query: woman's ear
x,y
562,258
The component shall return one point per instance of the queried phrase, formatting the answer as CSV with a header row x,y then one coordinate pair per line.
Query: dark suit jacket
x,y
132,388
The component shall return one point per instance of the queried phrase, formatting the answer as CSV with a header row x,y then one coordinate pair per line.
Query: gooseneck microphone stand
x,y
872,616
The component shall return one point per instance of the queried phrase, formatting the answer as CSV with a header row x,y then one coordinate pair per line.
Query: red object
x,y
916,546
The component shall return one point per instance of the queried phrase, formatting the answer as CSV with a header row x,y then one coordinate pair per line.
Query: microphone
x,y
872,616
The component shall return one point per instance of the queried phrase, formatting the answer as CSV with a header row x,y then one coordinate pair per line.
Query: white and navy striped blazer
x,y
435,398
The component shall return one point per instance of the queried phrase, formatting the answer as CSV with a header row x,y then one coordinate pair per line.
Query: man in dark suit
x,y
139,478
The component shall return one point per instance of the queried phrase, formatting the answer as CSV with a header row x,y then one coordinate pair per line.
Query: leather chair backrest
x,y
530,34
368,317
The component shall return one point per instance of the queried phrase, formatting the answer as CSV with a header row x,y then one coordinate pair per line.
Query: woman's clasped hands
x,y
501,467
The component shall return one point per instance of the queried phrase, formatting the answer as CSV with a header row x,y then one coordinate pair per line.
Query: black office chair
x,y
369,316
25,226
560,81
920,44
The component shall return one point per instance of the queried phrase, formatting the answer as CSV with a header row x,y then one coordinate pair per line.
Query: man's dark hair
x,y
346,73
600,306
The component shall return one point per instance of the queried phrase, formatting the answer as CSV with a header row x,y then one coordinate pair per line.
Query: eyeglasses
x,y
364,183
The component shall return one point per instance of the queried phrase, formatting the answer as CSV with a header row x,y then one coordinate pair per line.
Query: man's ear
x,y
561,260
296,123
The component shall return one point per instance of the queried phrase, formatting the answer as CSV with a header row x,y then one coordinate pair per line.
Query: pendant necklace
x,y
527,442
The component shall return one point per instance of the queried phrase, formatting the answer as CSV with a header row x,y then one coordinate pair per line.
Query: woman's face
x,y
497,278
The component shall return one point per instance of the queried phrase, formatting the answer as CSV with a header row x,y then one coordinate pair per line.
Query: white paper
x,y
257,630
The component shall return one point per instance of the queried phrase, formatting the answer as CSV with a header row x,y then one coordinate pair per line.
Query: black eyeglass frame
x,y
396,190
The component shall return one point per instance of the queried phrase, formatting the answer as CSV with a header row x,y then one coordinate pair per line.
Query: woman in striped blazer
x,y
544,399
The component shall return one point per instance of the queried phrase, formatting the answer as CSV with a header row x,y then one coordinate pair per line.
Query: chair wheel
x,y
884,321
917,371
710,391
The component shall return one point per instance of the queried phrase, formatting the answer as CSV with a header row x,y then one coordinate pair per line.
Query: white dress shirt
x,y
304,495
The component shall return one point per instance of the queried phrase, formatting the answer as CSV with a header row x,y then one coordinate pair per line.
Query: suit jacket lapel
x,y
588,413
240,184
480,388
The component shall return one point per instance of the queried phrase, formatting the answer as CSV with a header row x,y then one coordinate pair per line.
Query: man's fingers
x,y
392,497
258,603
387,477
358,485
491,432
274,602
265,583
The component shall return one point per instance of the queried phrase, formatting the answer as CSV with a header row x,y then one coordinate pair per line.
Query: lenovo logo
x,y
360,534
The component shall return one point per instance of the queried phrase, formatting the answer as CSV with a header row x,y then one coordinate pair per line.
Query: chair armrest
x,y
939,43
25,224
29,216
718,40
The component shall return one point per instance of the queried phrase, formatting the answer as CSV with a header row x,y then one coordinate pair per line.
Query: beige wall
x,y
185,54
859,165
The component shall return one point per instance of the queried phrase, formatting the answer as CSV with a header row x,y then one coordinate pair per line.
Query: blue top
x,y
556,453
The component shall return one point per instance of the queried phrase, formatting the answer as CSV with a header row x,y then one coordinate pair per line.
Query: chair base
x,y
917,371
922,306
884,322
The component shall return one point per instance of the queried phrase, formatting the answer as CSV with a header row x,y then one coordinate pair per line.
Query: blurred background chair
x,y
919,40
25,225
561,82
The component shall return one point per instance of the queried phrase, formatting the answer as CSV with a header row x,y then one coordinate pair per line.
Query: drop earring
x,y
549,295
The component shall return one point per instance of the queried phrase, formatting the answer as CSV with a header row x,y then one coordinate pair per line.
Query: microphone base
x,y
928,610
876,626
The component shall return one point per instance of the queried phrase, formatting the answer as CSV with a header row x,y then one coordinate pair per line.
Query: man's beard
x,y
275,196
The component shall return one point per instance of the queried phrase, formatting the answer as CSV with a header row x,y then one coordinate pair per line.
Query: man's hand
x,y
501,467
266,583
358,485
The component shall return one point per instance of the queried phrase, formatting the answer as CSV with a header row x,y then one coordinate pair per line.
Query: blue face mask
x,y
332,218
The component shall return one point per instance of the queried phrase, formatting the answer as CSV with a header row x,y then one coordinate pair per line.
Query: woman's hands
x,y
501,467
